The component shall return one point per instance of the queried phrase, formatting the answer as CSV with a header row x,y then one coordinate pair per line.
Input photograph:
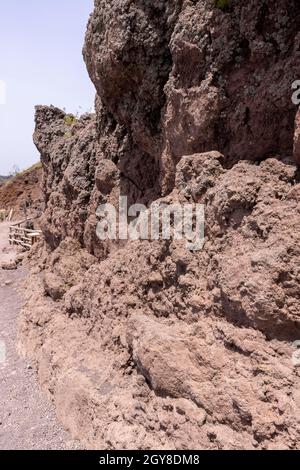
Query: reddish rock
x,y
187,77
150,345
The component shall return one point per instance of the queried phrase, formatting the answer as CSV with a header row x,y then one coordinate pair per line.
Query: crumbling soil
x,y
23,195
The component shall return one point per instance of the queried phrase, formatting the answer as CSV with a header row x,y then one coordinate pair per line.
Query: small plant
x,y
70,119
222,4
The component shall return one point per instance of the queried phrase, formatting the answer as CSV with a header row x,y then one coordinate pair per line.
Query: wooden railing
x,y
23,237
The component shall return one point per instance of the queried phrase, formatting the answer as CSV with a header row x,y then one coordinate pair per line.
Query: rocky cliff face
x,y
146,344
185,77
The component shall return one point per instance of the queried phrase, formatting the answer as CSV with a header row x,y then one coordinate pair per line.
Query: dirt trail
x,y
27,420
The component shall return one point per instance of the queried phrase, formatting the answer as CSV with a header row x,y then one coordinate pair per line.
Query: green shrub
x,y
70,120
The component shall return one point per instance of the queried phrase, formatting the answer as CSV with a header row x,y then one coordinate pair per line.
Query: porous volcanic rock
x,y
186,77
145,344
161,347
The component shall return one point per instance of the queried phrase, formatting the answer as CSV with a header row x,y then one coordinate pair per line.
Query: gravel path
x,y
27,419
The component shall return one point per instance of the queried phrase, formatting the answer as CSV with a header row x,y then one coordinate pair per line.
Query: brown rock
x,y
149,345
106,176
54,286
191,78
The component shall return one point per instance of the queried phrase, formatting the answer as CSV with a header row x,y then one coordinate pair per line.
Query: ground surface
x,y
27,420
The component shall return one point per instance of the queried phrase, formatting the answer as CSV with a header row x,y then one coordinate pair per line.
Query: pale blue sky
x,y
41,63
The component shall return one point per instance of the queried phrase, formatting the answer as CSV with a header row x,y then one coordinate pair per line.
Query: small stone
x,y
11,266
155,278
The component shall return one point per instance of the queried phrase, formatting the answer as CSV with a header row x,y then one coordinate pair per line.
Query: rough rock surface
x,y
159,347
186,77
145,344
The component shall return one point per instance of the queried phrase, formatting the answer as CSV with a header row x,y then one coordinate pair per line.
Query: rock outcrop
x,y
145,344
186,77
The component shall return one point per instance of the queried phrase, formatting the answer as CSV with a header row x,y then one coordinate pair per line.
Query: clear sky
x,y
40,63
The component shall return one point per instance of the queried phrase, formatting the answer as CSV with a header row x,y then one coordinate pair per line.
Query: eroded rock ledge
x,y
144,344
